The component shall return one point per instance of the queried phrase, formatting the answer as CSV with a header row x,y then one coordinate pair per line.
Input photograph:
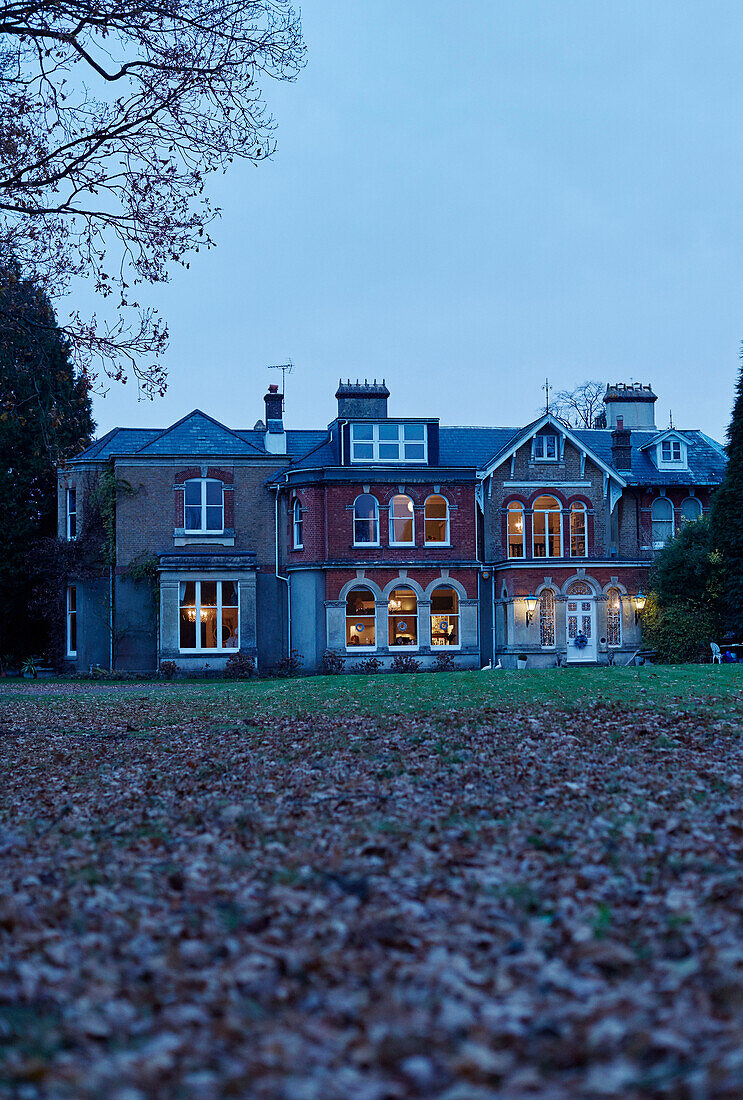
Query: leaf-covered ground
x,y
513,899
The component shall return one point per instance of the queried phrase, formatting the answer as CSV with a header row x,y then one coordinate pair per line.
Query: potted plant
x,y
29,669
521,660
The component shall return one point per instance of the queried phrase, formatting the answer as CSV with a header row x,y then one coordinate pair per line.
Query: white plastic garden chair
x,y
716,655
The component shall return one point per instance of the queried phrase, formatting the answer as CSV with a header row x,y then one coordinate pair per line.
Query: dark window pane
x,y
208,627
187,594
389,431
213,518
214,492
363,450
415,431
193,519
389,450
208,593
415,450
229,628
229,593
363,431
188,628
193,493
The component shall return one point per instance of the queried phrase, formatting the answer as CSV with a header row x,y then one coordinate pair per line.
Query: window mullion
x,y
219,614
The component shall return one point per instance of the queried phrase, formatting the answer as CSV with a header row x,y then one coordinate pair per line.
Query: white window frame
x,y
393,540
297,524
658,544
457,615
203,529
69,612
364,519
70,513
210,650
435,519
672,463
579,508
359,648
614,645
553,609
514,508
376,442
404,648
547,512
537,445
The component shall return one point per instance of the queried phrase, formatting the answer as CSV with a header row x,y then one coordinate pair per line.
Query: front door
x,y
580,625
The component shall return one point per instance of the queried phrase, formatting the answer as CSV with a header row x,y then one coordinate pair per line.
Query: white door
x,y
580,626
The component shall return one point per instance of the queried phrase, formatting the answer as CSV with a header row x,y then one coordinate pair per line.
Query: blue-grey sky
x,y
469,197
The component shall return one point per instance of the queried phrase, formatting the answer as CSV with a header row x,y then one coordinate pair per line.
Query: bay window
x,y
402,517
385,442
445,616
209,615
366,520
661,515
360,619
436,520
515,530
547,528
578,531
403,617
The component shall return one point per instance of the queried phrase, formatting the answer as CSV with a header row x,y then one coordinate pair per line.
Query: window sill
x,y
437,545
367,545
207,652
402,545
190,538
294,549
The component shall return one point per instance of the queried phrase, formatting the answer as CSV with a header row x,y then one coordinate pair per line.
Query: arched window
x,y
298,523
580,588
515,530
691,509
436,520
547,619
403,617
444,616
547,526
614,618
366,520
578,531
360,626
661,514
402,520
204,508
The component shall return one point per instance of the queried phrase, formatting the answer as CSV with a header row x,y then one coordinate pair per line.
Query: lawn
x,y
458,886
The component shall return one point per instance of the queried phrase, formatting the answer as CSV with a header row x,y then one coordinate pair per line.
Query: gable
x,y
547,425
198,434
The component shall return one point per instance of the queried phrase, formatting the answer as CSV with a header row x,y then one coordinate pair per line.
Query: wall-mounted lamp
x,y
639,602
531,602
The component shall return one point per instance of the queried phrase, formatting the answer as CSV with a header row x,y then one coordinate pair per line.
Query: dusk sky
x,y
467,198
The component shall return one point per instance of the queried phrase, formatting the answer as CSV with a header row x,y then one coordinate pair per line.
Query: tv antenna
x,y
285,368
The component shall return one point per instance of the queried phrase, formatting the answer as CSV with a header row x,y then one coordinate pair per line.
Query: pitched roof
x,y
705,459
198,434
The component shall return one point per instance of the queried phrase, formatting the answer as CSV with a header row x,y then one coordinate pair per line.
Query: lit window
x,y
360,625
72,621
445,616
403,617
366,520
388,442
547,525
298,523
578,533
547,619
515,530
661,514
691,509
614,618
403,520
671,450
544,448
436,520
209,615
72,514
203,506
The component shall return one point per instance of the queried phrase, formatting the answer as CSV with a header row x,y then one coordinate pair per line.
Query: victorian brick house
x,y
381,535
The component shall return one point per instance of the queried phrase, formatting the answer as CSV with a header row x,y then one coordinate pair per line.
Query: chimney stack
x,y
633,403
275,438
362,400
621,447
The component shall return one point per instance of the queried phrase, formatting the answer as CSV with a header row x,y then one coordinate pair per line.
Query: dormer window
x,y
388,442
544,448
670,452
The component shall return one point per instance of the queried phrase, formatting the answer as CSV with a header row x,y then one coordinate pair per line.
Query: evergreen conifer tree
x,y
45,417
727,519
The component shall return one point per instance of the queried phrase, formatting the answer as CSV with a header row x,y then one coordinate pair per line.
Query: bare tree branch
x,y
112,118
581,407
